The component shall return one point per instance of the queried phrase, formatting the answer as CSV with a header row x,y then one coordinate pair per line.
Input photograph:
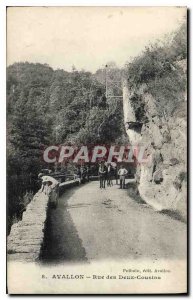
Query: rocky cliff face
x,y
162,181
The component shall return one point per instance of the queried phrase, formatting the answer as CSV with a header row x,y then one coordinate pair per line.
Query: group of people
x,y
107,172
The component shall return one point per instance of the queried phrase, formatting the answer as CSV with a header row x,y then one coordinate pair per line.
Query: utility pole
x,y
106,66
110,83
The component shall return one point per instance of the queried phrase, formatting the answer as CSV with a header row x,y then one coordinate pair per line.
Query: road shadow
x,y
61,241
173,214
132,191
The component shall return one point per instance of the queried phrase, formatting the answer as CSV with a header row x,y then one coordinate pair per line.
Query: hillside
x,y
47,107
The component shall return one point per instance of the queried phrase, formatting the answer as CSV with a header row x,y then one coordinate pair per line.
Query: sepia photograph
x,y
96,149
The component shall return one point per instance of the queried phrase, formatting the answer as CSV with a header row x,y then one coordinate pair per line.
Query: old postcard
x,y
96,150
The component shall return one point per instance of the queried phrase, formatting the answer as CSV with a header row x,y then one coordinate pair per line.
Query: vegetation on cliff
x,y
157,81
158,70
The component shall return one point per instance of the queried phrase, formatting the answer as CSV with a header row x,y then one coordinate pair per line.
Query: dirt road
x,y
90,224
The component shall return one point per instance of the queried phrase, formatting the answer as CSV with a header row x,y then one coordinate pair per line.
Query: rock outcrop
x,y
162,181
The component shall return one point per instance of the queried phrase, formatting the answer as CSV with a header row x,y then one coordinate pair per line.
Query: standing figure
x,y
102,174
109,175
77,175
116,174
122,173
83,174
88,173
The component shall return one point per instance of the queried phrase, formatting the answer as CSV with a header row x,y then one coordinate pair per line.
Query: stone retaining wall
x,y
26,237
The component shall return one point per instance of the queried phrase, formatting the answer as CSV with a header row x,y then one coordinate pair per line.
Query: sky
x,y
85,37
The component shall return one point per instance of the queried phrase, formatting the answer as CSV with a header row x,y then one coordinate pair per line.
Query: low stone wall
x,y
67,184
26,237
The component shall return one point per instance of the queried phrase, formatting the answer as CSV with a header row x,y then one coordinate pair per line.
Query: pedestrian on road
x,y
83,174
115,171
102,174
109,175
77,175
88,173
122,173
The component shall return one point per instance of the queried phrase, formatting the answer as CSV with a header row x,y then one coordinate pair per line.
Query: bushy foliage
x,y
46,107
158,70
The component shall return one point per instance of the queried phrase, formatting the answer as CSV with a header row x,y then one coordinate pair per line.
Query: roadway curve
x,y
91,224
